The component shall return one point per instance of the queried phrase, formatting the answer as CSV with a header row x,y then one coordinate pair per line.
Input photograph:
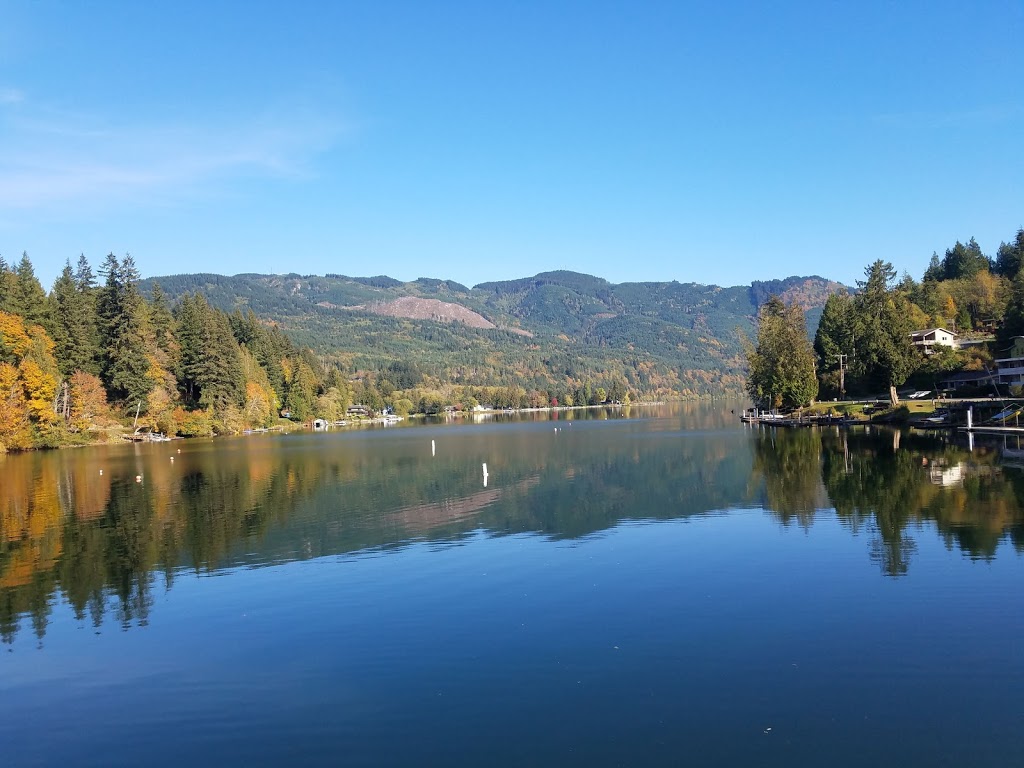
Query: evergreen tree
x,y
885,355
122,312
191,322
85,280
935,271
73,326
210,371
64,297
964,260
1013,321
834,340
269,346
1010,256
108,300
7,278
161,320
246,329
782,365
302,392
28,298
222,379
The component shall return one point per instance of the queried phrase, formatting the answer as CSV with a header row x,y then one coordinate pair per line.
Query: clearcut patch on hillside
x,y
414,308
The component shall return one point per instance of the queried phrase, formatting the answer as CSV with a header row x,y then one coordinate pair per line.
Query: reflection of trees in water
x,y
105,542
890,483
892,553
789,463
99,539
876,481
105,552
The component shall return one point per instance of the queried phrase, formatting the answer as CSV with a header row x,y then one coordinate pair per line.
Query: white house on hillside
x,y
1011,367
930,338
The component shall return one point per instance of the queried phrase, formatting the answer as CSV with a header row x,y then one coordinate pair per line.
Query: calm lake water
x,y
657,587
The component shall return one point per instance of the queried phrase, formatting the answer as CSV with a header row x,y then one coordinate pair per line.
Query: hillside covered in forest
x,y
209,354
555,330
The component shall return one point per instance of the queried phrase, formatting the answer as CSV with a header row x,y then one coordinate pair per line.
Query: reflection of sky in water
x,y
267,499
641,642
621,591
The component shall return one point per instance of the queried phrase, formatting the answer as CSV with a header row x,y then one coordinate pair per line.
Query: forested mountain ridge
x,y
212,354
552,329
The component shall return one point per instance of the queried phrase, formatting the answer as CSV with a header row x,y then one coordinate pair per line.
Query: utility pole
x,y
842,376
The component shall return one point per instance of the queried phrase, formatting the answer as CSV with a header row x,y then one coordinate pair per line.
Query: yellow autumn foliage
x,y
14,338
28,382
40,390
15,428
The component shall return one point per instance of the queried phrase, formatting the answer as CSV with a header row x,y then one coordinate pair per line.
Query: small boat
x,y
939,420
1004,415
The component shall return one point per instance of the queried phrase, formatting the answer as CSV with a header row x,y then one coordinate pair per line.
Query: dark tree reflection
x,y
102,541
890,482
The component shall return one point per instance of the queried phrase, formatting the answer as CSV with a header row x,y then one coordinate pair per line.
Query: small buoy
x,y
101,471
179,450
138,478
172,458
432,448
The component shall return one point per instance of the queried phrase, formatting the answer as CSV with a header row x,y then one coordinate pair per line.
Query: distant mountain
x,y
549,329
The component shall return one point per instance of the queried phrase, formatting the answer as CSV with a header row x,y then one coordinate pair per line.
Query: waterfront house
x,y
1010,369
926,340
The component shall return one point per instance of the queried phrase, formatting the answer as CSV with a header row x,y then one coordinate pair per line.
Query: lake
x,y
653,586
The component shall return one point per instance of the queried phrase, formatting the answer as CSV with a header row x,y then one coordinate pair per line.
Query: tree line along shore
x,y
864,344
96,359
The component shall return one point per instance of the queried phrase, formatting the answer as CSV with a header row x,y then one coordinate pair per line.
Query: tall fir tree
x,y
1013,320
834,341
223,383
64,297
122,312
964,260
191,319
885,356
782,364
935,271
161,320
28,298
85,280
74,326
6,286
1010,256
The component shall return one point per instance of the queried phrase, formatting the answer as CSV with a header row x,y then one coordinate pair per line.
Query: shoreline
x,y
123,438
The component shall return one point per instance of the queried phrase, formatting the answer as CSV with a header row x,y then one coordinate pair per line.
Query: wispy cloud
x,y
50,159
11,96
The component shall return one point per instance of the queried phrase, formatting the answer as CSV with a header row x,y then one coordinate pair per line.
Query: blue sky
x,y
700,142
